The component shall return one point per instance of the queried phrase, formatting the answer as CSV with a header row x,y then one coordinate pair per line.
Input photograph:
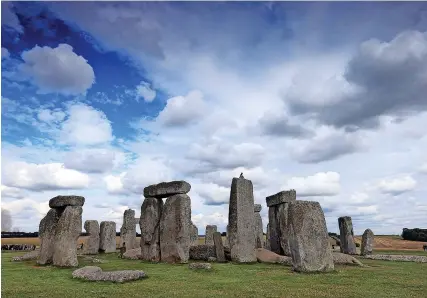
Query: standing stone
x,y
91,246
67,233
241,221
308,238
47,230
219,247
210,230
227,236
151,211
107,236
367,242
267,238
194,235
128,230
175,226
167,189
347,245
259,235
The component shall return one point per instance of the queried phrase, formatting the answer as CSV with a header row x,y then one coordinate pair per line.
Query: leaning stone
x,y
205,266
202,252
93,273
167,189
259,234
47,230
91,246
285,196
128,230
308,238
241,221
149,223
367,243
107,236
194,235
67,233
64,201
32,255
267,256
210,230
343,259
133,254
347,244
219,248
175,229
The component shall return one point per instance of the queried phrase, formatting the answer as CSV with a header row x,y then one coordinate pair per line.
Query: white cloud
x,y
46,115
11,192
9,17
4,53
144,90
114,184
213,194
423,168
91,160
320,184
396,186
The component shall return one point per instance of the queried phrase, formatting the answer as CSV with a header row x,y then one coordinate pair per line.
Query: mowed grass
x,y
380,279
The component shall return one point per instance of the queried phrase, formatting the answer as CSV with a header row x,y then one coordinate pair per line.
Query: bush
x,y
414,234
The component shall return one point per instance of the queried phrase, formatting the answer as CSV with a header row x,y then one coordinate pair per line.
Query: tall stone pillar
x,y
347,244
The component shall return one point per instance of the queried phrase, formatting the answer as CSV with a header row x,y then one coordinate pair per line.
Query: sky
x,y
102,99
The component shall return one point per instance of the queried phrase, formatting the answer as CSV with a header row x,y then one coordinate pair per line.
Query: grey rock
x,y
285,196
227,236
151,211
257,208
202,252
267,238
399,258
32,255
133,254
212,259
175,226
194,235
47,230
308,238
210,230
204,266
128,230
219,247
67,233
278,229
259,234
64,201
107,236
367,243
167,189
93,273
266,256
91,247
343,259
347,244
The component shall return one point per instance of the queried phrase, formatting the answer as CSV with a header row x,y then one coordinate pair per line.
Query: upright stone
x,y
107,237
308,238
151,211
167,189
67,233
47,230
241,221
210,230
175,226
347,244
92,243
219,247
367,243
227,237
259,235
267,238
194,235
128,230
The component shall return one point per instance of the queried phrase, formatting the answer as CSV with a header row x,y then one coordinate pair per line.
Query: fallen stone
x,y
210,230
219,248
47,230
128,230
64,201
265,256
202,252
94,273
399,258
32,255
149,223
343,259
91,247
133,254
212,259
204,266
194,235
167,189
347,244
285,196
107,236
367,243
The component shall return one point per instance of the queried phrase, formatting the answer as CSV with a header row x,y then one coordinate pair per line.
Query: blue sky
x,y
101,99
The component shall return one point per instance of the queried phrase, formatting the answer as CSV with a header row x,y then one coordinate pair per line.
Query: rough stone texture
x,y
347,244
32,255
128,230
241,221
343,259
202,252
67,233
278,228
64,201
227,237
259,235
94,273
91,247
194,235
212,259
219,248
308,238
107,236
151,211
175,226
257,208
210,230
285,196
47,230
205,266
267,238
267,256
400,258
367,243
133,254
167,189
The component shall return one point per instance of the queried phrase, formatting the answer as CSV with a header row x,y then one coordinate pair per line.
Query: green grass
x,y
380,279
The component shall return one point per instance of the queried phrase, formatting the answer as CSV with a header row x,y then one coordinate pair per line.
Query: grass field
x,y
380,279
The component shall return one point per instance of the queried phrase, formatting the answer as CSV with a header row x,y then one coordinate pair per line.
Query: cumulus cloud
x,y
213,194
278,125
9,17
145,91
6,220
114,184
90,160
11,192
48,116
396,186
4,53
319,184
57,70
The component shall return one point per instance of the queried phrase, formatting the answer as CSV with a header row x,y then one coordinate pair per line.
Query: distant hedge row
x,y
415,234
36,234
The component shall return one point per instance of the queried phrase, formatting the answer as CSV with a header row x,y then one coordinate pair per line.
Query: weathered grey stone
x,y
367,243
267,238
204,266
219,247
175,226
227,236
347,244
259,234
151,211
64,201
194,235
32,255
67,233
278,228
91,247
267,256
202,252
257,208
107,236
167,189
211,259
241,221
210,230
285,196
343,259
398,258
94,273
308,237
133,254
47,230
128,230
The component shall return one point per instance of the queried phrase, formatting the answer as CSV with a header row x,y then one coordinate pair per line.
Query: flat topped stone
x,y
167,189
63,201
257,208
285,196
94,273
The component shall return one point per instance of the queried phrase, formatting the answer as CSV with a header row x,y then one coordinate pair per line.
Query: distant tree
x,y
414,234
16,230
6,220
